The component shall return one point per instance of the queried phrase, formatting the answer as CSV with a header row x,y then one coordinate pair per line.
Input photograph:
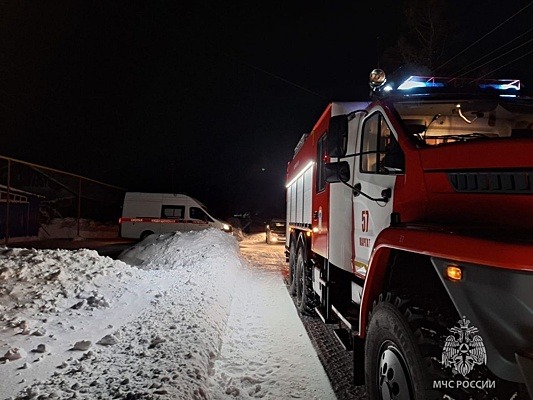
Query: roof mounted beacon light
x,y
377,79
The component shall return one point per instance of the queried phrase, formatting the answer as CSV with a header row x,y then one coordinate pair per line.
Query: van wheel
x,y
145,234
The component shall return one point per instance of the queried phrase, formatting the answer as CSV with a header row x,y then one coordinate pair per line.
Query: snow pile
x,y
36,283
74,324
180,250
256,238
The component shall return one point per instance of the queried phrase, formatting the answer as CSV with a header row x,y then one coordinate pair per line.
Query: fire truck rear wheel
x,y
292,267
303,281
394,367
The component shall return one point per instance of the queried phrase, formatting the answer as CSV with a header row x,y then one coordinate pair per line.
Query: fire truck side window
x,y
378,143
321,159
172,212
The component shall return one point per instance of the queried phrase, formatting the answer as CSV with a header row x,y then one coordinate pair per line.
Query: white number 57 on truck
x,y
410,228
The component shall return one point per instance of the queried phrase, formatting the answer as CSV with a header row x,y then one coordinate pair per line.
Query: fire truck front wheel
x,y
393,364
303,281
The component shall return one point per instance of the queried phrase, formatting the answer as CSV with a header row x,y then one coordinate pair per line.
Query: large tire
x,y
304,288
292,267
394,366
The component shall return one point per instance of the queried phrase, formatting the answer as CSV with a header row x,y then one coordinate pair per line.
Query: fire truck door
x,y
371,216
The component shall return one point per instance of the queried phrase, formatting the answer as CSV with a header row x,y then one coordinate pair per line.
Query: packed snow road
x,y
265,345
269,260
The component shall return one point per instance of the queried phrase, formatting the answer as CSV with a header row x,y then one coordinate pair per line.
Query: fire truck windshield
x,y
439,122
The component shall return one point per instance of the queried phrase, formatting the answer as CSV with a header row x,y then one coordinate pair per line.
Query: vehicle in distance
x,y
146,213
276,230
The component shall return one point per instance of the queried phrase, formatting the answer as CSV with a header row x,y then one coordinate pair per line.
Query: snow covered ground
x,y
181,316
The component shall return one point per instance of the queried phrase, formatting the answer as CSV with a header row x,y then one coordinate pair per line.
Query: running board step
x,y
345,338
349,317
321,312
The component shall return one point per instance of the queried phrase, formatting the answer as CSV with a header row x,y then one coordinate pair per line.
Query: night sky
x,y
207,99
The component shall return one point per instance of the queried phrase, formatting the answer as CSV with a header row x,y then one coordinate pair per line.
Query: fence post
x,y
79,205
6,238
28,220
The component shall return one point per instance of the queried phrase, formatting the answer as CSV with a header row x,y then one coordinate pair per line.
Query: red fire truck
x,y
410,228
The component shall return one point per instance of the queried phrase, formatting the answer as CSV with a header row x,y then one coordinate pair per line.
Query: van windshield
x,y
439,122
277,225
198,213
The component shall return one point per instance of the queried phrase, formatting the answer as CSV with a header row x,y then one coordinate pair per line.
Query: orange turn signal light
x,y
453,273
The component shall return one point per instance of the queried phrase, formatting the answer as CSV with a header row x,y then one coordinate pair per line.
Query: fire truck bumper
x,y
499,302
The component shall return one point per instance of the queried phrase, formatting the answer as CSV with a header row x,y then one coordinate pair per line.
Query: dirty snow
x,y
180,316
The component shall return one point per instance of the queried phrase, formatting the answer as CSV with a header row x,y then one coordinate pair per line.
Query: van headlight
x,y
226,228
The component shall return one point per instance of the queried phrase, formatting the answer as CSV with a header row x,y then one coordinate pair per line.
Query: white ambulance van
x,y
146,213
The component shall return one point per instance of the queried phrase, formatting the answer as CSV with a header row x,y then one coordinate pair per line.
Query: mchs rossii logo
x,y
463,350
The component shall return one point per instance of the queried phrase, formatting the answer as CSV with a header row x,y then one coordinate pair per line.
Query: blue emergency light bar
x,y
502,84
420,84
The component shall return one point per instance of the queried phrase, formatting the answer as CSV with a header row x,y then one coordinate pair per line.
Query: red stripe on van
x,y
163,220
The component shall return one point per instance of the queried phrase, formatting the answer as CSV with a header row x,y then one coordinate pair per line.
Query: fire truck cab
x,y
410,221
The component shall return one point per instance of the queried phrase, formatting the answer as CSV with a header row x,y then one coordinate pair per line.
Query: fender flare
x,y
440,243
